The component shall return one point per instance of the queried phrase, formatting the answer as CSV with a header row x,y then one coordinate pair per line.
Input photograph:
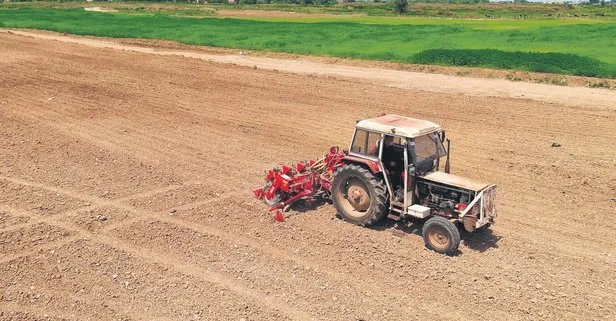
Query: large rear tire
x,y
441,235
359,196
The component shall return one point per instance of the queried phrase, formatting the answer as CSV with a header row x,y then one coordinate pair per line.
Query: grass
x,y
575,47
556,63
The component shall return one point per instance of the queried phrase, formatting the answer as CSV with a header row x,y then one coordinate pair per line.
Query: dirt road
x,y
576,96
125,194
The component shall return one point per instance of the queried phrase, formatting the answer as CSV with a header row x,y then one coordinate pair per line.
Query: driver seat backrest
x,y
377,145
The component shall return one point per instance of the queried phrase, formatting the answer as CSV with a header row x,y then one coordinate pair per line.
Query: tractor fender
x,y
373,165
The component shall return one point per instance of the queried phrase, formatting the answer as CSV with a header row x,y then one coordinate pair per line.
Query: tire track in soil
x,y
150,256
90,172
38,248
283,280
142,252
46,299
97,280
230,238
10,311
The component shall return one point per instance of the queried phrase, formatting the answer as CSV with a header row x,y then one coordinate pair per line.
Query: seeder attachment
x,y
285,185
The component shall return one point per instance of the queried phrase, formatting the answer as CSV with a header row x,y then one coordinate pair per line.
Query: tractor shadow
x,y
399,228
306,205
479,241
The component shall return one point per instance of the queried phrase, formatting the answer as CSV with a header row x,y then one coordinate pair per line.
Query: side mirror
x,y
411,170
334,150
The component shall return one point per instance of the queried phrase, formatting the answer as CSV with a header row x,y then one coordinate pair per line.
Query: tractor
x,y
392,169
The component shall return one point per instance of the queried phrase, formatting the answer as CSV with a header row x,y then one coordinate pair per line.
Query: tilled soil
x,y
387,74
125,194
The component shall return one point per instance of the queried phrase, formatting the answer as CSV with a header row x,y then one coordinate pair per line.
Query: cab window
x,y
429,146
366,143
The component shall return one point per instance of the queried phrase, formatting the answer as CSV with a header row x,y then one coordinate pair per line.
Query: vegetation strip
x,y
584,48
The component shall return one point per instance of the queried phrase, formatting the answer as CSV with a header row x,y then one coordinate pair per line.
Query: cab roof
x,y
398,125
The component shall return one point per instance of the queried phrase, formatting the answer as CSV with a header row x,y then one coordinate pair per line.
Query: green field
x,y
564,46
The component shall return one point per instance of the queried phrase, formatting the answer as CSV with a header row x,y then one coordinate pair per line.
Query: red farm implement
x,y
285,184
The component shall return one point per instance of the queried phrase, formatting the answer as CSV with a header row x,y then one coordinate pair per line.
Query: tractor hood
x,y
457,181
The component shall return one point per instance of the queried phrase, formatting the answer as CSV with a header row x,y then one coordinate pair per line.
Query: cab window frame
x,y
362,148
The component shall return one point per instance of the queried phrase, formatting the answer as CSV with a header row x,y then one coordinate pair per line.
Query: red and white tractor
x,y
391,169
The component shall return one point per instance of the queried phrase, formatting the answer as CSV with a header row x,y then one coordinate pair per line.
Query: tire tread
x,y
449,227
379,195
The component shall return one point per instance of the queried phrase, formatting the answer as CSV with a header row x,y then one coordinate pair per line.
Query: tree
x,y
401,6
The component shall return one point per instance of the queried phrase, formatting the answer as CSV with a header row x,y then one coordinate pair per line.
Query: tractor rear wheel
x,y
359,196
441,235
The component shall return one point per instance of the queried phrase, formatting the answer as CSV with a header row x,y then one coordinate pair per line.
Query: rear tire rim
x,y
354,198
439,239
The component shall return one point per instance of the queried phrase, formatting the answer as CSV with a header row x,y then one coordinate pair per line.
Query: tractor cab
x,y
402,148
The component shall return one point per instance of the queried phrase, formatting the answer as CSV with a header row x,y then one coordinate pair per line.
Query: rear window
x,y
366,143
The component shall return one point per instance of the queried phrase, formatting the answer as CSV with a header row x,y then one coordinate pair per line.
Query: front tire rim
x,y
439,239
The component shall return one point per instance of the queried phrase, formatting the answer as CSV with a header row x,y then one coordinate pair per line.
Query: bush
x,y
322,2
557,63
602,84
401,6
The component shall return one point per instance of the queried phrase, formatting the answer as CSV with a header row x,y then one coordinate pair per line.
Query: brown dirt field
x,y
98,146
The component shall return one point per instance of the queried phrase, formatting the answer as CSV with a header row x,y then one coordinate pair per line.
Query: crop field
x,y
126,178
584,47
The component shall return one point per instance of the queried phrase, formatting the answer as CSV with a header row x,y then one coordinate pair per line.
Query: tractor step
x,y
394,217
396,210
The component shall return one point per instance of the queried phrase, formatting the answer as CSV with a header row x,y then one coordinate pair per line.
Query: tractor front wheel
x,y
441,235
359,196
